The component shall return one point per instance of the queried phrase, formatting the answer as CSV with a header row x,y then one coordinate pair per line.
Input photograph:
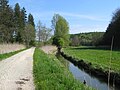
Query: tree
x,y
113,30
3,5
28,34
31,20
61,33
6,21
75,41
43,33
39,28
23,22
17,18
54,21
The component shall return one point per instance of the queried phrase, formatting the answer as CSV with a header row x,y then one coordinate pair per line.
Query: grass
x,y
7,55
98,57
51,74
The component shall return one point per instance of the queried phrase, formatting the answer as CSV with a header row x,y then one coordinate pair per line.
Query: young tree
x,y
61,33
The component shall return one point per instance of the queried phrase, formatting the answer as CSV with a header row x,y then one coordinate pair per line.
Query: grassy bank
x,y
7,55
98,57
51,74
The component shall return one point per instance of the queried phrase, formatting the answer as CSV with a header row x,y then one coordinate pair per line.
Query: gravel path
x,y
16,71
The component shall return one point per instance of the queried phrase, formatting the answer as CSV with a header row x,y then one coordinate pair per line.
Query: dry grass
x,y
6,48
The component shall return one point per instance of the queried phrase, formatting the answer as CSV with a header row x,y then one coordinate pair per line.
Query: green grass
x,y
7,55
98,57
51,74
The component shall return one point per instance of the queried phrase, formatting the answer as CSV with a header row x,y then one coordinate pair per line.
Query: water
x,y
81,75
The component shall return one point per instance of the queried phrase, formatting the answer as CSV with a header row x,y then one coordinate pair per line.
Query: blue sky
x,y
82,15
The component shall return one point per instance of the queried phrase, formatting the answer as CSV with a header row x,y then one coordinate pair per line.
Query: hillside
x,y
87,39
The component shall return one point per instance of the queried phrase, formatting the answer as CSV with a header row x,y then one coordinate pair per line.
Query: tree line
x,y
15,26
86,39
113,31
100,38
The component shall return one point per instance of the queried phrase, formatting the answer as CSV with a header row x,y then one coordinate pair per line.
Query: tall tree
x,y
28,34
6,21
23,21
113,30
3,5
39,29
43,33
31,20
17,19
61,33
54,21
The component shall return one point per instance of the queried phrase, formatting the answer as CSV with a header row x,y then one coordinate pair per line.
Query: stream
x,y
81,75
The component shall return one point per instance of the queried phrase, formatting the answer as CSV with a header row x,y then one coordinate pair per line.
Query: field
x,y
99,58
6,48
51,74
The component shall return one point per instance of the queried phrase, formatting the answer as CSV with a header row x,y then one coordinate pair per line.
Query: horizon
x,y
86,16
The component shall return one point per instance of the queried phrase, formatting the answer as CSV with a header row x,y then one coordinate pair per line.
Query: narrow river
x,y
81,75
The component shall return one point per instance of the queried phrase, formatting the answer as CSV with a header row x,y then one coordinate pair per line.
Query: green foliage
x,y
17,20
29,35
113,30
58,41
51,74
61,32
13,23
6,21
99,57
31,20
86,39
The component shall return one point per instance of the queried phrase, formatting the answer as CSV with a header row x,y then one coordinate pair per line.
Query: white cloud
x,y
75,27
80,29
70,16
82,16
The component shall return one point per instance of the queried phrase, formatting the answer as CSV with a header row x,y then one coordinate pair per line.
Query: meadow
x,y
51,74
99,58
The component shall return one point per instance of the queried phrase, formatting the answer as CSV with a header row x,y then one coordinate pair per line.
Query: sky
x,y
82,15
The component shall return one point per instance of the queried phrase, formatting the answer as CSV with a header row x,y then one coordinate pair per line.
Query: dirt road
x,y
16,71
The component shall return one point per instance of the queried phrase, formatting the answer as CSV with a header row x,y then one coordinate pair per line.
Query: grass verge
x,y
7,55
98,57
51,74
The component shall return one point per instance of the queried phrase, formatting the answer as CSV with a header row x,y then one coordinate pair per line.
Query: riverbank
x,y
51,74
96,71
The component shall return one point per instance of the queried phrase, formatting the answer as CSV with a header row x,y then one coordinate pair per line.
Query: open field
x,y
98,57
6,48
51,74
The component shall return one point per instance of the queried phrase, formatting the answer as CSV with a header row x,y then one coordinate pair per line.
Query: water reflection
x,y
81,75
